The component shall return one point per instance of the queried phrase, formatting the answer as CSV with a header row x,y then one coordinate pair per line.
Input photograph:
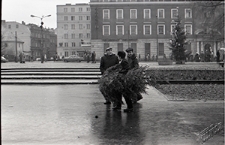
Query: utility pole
x,y
16,46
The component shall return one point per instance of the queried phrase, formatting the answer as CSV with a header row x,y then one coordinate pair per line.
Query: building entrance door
x,y
120,46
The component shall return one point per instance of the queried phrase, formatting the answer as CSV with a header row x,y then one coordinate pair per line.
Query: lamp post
x,y
42,48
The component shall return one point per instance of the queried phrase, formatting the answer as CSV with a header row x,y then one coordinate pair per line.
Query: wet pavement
x,y
75,114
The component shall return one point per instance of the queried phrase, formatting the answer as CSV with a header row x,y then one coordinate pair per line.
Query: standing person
x,y
88,57
93,56
108,60
124,64
217,56
133,63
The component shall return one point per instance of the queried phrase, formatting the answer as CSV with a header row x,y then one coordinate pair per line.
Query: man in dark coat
x,y
108,60
133,63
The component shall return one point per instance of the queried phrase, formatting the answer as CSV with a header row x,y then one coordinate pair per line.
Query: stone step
x,y
52,81
50,76
51,70
50,73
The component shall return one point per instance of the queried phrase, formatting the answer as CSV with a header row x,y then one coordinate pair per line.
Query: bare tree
x,y
210,14
3,45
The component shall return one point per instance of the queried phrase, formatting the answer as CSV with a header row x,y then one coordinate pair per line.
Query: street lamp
x,y
157,41
42,57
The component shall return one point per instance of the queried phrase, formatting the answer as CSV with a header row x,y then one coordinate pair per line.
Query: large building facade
x,y
73,29
144,25
47,37
16,38
27,38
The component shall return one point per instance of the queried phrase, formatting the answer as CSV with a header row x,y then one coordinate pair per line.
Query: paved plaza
x,y
75,114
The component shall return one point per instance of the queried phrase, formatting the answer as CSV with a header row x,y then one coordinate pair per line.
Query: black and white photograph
x,y
112,72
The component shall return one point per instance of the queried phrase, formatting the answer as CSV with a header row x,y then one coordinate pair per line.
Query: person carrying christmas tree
x,y
133,63
124,68
108,60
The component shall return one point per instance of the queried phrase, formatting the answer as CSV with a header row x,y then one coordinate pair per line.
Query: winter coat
x,y
125,66
133,61
108,61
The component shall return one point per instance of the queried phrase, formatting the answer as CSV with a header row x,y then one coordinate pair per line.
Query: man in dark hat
x,y
108,60
133,63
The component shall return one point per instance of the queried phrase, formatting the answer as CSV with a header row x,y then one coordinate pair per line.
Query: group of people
x,y
109,60
88,56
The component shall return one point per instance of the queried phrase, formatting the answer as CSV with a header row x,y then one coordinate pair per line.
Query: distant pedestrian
x,y
88,57
196,58
93,57
217,56
109,59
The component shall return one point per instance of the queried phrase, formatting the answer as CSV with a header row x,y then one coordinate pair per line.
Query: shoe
x,y
107,102
116,108
128,110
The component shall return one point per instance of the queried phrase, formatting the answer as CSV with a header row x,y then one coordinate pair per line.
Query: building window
x,y
17,26
72,26
88,9
65,10
88,35
66,53
88,26
133,29
119,30
80,26
147,30
133,14
73,52
72,9
147,13
66,44
72,18
119,14
73,36
80,35
65,36
161,13
106,14
161,29
174,13
106,30
88,18
80,17
65,18
9,26
80,9
188,28
73,45
188,13
65,27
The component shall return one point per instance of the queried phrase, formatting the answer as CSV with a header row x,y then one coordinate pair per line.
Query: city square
x,y
112,72
75,114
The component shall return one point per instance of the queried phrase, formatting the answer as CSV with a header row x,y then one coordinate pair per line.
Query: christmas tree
x,y
178,42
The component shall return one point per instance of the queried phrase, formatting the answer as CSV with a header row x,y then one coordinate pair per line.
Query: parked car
x,y
3,59
73,58
38,59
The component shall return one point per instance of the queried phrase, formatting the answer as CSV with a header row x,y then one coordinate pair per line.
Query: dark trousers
x,y
127,99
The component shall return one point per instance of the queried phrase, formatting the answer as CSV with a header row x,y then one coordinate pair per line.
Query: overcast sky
x,y
20,10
